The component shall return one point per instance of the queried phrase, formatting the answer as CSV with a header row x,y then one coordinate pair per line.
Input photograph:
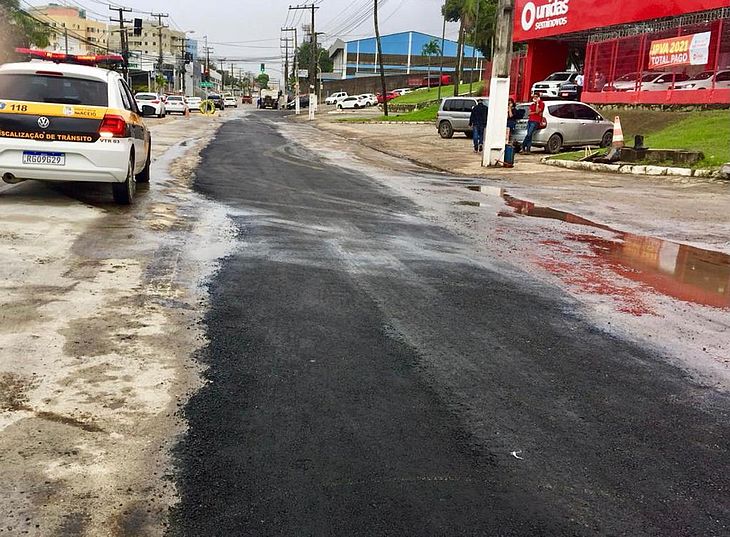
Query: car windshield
x,y
558,77
651,77
145,97
174,98
703,76
214,96
40,88
627,78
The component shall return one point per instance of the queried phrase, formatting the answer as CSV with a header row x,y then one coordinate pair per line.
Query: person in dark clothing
x,y
511,118
478,122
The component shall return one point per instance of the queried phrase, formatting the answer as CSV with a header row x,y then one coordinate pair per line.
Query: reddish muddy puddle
x,y
686,273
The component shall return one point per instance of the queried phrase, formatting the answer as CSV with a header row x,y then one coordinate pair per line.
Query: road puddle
x,y
686,273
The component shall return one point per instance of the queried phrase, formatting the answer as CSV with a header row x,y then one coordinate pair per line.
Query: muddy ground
x,y
98,320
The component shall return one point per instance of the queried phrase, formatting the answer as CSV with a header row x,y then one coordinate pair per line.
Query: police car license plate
x,y
44,158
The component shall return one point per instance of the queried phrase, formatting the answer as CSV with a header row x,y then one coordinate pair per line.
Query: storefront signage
x,y
691,49
536,19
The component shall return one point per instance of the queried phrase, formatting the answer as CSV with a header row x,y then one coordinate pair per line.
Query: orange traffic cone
x,y
618,133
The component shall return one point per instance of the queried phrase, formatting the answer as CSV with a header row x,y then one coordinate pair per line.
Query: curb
x,y
632,169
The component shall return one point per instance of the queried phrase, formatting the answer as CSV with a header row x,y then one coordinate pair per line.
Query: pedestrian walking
x,y
537,109
579,81
478,122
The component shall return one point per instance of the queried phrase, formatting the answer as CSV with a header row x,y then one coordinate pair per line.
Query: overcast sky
x,y
252,27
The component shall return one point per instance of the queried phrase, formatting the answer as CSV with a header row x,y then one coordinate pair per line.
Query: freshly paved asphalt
x,y
368,376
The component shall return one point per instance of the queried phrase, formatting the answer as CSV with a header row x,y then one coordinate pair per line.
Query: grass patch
x,y
420,96
424,114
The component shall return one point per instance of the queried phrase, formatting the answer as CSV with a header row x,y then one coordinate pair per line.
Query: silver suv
x,y
454,113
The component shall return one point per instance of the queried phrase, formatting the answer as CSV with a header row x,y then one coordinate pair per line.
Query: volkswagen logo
x,y
43,122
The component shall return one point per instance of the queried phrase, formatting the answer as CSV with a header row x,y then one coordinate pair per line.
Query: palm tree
x,y
465,12
432,48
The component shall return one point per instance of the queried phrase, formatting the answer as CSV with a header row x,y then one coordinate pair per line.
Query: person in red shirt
x,y
537,108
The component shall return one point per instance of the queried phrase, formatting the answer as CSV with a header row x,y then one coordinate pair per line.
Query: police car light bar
x,y
60,57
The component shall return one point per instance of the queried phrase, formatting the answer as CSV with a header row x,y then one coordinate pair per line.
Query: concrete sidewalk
x,y
691,210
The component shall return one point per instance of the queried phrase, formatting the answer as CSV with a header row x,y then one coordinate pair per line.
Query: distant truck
x,y
270,98
429,82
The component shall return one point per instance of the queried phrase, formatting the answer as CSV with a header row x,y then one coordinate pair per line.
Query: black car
x,y
218,101
303,102
568,91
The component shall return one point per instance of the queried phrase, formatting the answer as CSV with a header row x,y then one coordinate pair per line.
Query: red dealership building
x,y
634,52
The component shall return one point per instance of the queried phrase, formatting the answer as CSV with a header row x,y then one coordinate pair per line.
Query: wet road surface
x,y
370,375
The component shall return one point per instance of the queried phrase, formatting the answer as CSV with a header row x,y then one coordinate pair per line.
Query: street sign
x,y
206,84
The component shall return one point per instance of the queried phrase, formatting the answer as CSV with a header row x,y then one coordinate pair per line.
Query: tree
x,y
325,63
432,48
263,81
19,29
464,12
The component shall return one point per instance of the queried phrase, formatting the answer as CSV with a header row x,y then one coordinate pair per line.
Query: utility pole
x,y
495,136
380,55
123,37
183,70
296,69
313,52
160,27
65,36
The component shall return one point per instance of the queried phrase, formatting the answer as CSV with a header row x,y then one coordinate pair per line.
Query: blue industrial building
x,y
402,54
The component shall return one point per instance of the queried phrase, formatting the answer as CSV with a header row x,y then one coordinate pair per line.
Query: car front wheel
x,y
446,130
554,143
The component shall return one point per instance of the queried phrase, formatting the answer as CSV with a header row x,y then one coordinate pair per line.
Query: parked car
x,y
388,96
217,100
303,102
230,101
247,99
550,87
176,104
568,91
335,97
402,91
353,101
705,79
369,98
194,103
568,124
151,103
453,115
650,81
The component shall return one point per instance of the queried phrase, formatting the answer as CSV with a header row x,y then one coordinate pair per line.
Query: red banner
x,y
535,19
685,50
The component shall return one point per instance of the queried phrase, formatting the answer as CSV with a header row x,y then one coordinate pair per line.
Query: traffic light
x,y
137,27
206,76
263,67
188,57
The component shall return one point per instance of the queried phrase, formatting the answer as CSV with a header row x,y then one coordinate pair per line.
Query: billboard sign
x,y
691,49
536,19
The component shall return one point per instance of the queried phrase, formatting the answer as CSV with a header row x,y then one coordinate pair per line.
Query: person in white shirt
x,y
579,82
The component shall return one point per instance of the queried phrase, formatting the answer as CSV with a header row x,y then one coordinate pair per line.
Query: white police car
x,y
68,122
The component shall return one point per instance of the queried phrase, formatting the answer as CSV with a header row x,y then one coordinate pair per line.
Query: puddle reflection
x,y
684,272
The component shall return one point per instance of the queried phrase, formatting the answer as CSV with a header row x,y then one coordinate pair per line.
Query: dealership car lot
x,y
65,122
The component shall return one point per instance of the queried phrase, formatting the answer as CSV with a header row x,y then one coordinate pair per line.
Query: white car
x,y
402,91
153,101
705,79
194,103
352,102
335,97
550,87
230,101
650,81
176,104
369,99
64,122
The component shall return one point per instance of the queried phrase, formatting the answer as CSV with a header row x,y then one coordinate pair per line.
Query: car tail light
x,y
113,127
156,101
